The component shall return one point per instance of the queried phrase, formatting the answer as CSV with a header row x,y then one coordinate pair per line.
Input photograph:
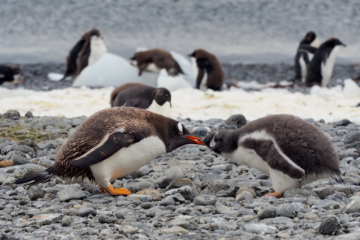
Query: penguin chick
x,y
291,151
113,143
157,100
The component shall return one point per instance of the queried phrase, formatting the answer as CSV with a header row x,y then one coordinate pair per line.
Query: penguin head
x,y
333,42
161,96
178,136
198,53
221,142
309,37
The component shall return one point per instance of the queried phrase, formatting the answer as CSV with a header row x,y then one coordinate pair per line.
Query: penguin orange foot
x,y
274,194
101,151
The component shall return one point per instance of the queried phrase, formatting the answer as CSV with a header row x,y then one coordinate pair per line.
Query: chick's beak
x,y
197,140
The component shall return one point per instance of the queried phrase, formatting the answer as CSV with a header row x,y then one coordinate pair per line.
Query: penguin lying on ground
x,y
113,143
154,60
157,100
85,52
322,64
291,151
10,74
303,55
208,70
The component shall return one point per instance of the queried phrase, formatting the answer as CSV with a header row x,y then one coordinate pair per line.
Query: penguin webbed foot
x,y
274,194
112,191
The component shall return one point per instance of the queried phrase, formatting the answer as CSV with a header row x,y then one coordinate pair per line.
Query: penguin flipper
x,y
276,159
113,143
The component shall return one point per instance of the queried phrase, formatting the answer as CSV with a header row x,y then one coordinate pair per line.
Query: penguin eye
x,y
180,127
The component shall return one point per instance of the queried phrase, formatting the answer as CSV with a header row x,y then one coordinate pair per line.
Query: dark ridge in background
x,y
247,31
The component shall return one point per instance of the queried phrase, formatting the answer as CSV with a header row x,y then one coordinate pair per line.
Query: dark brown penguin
x,y
210,73
291,151
113,143
10,74
157,100
154,60
90,45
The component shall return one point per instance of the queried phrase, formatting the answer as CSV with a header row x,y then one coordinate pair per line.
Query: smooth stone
x,y
323,192
201,131
76,122
86,211
70,192
353,206
155,195
35,192
27,170
245,195
189,193
174,173
180,182
343,122
106,219
174,230
24,149
259,228
242,189
182,221
289,210
3,176
238,120
220,208
352,137
167,201
135,197
11,113
205,200
267,212
131,230
146,205
304,192
29,114
350,236
330,226
178,198
66,221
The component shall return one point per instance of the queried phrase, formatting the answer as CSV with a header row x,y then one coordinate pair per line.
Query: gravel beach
x,y
189,193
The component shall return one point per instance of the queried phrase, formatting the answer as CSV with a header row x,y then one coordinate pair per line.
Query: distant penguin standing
x,y
291,151
154,60
322,64
157,100
113,143
85,52
304,54
10,74
209,71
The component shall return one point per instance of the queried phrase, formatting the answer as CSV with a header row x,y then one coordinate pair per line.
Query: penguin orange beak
x,y
196,140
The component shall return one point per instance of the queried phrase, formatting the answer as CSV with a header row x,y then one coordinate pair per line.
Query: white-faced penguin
x,y
113,143
321,66
157,100
154,60
10,74
85,52
291,151
209,71
303,56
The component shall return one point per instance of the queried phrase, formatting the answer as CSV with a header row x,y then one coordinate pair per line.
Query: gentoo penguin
x,y
321,66
10,74
113,143
157,100
154,60
291,151
303,55
85,52
209,71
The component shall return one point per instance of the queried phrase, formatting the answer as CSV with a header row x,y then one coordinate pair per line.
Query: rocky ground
x,y
35,75
189,193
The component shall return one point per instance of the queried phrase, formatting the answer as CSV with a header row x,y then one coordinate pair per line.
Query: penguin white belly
x,y
203,84
303,67
152,68
164,110
127,160
97,49
327,68
281,181
194,66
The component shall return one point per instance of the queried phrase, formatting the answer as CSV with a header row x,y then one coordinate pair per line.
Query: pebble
x,y
329,226
267,212
35,192
27,170
353,206
86,211
238,120
69,193
259,228
105,219
174,173
174,230
245,195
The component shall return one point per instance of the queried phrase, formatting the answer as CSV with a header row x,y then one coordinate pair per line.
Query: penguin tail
x,y
336,175
39,177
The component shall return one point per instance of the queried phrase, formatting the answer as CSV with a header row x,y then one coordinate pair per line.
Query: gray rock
x,y
238,120
326,204
259,228
66,221
201,131
245,195
352,137
304,192
146,205
180,182
69,193
11,113
29,114
29,143
174,230
205,200
35,192
289,210
343,122
76,122
350,236
24,149
330,226
178,198
3,176
27,170
220,208
106,219
183,221
323,192
86,211
353,206
268,212
131,230
167,201
174,173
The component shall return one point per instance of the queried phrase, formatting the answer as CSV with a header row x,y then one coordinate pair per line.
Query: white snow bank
x,y
191,103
